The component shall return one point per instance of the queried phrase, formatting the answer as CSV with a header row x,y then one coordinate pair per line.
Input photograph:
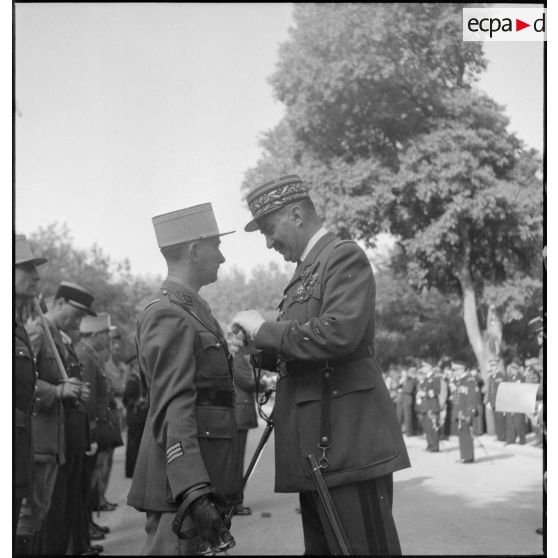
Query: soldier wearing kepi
x,y
330,392
186,475
62,522
26,283
55,389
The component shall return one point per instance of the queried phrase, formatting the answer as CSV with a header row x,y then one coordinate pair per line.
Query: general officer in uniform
x,y
186,476
26,284
330,391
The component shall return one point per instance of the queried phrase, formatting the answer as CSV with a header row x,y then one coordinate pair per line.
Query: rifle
x,y
50,341
328,505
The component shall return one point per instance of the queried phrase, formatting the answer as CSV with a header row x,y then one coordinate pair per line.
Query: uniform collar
x,y
312,242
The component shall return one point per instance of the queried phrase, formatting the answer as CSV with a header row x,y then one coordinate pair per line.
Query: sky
x,y
126,111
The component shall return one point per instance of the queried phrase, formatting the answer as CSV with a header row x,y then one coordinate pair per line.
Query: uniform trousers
x,y
98,485
161,540
431,429
500,425
466,444
490,425
408,418
34,508
515,427
66,508
364,509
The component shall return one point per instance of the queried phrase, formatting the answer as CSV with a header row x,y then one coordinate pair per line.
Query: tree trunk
x,y
486,345
470,316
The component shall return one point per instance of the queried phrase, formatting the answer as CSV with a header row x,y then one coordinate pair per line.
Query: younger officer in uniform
x,y
26,283
331,391
187,473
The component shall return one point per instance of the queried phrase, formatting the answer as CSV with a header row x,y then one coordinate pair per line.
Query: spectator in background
x,y
136,403
516,426
408,386
245,407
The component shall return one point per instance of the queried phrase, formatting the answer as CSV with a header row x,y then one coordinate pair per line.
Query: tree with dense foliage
x,y
385,125
117,290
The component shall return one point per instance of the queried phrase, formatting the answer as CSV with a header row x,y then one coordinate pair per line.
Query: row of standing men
x,y
66,419
451,399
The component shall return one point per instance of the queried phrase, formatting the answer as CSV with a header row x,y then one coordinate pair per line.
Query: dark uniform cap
x,y
274,195
191,223
23,252
76,296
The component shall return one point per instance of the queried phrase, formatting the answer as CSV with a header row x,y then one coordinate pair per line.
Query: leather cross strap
x,y
325,417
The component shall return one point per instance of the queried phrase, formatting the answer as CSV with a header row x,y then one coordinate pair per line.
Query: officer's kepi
x,y
76,296
274,195
184,225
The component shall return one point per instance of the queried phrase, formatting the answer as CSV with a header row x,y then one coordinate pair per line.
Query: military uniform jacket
x,y
76,420
184,443
467,397
48,423
97,407
327,314
244,388
25,377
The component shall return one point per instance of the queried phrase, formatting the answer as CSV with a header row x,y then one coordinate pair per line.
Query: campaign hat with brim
x,y
76,296
23,252
95,324
274,195
184,225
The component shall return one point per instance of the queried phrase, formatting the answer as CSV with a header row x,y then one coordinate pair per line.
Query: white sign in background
x,y
504,24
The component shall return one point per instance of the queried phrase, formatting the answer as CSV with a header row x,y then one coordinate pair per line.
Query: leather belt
x,y
295,366
206,397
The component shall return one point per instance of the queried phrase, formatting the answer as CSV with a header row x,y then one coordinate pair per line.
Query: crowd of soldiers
x,y
450,399
71,382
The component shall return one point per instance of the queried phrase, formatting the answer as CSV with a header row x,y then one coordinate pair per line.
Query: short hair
x,y
175,252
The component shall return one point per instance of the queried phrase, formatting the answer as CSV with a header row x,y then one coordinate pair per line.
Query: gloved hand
x,y
249,321
209,523
69,389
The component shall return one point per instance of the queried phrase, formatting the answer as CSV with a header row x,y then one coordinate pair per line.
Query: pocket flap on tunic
x,y
349,377
215,422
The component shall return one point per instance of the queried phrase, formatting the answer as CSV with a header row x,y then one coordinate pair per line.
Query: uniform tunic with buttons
x,y
327,314
184,443
25,377
48,423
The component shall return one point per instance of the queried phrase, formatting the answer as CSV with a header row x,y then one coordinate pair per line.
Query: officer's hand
x,y
93,447
249,321
69,389
240,344
84,392
209,523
